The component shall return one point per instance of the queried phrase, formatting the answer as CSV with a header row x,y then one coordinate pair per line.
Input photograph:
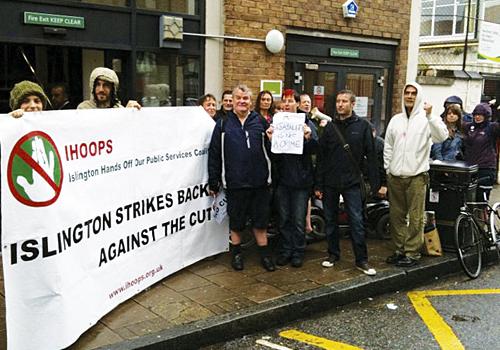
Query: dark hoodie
x,y
466,117
480,143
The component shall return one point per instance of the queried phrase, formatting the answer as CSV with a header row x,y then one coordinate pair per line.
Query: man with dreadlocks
x,y
104,85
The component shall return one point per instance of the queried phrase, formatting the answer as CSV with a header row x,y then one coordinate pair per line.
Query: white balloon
x,y
274,41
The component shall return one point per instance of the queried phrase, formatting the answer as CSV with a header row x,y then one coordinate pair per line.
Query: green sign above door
x,y
47,19
341,52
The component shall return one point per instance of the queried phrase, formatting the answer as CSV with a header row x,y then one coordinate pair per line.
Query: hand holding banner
x,y
219,207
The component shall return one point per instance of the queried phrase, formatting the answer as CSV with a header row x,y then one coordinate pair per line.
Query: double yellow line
x,y
441,331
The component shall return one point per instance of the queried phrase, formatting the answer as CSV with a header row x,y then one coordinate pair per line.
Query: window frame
x,y
454,36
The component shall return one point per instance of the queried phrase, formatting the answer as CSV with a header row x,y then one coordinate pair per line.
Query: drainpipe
x,y
466,37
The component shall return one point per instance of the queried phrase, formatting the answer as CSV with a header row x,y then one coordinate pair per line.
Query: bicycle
x,y
477,230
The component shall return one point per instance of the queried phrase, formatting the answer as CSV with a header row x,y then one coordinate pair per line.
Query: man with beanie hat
x,y
27,96
104,84
480,138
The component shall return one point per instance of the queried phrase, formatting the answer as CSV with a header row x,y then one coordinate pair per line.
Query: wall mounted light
x,y
274,41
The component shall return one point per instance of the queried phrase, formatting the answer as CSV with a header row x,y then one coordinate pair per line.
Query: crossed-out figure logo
x,y
34,172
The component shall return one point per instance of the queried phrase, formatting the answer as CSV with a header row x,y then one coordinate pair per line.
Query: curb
x,y
290,308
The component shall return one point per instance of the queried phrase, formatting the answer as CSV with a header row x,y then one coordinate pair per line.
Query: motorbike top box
x,y
454,173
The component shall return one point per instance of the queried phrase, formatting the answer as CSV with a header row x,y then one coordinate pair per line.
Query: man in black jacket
x,y
295,181
238,162
338,173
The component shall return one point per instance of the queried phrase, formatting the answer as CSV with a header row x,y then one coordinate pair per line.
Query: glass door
x,y
324,81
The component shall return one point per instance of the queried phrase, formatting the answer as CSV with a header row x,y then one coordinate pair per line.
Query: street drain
x,y
465,318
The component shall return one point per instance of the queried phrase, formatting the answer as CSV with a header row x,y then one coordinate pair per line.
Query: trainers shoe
x,y
406,262
366,269
267,263
330,262
283,260
297,262
394,258
237,262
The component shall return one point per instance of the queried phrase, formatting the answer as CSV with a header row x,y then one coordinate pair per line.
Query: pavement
x,y
209,302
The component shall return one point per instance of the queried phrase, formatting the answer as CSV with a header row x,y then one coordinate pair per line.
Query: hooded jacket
x,y
466,117
408,138
480,143
105,74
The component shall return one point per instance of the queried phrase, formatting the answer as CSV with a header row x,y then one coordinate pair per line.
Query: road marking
x,y
441,331
271,345
316,341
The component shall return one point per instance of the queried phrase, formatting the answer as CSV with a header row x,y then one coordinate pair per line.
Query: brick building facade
x,y
377,22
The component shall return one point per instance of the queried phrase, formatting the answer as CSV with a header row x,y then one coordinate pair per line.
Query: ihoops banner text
x,y
96,206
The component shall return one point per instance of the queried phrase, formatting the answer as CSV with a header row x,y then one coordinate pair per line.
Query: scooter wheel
x,y
318,224
382,228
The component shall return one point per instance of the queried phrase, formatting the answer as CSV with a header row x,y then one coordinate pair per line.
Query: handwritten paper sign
x,y
288,134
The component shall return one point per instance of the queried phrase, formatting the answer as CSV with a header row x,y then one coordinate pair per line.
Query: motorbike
x,y
376,218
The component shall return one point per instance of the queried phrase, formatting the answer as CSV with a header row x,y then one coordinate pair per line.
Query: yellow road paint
x,y
442,332
316,341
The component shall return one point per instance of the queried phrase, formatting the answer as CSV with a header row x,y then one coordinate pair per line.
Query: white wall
x,y
468,91
414,37
214,48
90,60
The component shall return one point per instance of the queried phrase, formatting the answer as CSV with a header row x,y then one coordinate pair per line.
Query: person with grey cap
x,y
480,137
104,84
27,96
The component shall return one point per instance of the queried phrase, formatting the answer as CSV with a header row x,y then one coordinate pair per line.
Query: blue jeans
x,y
292,210
354,208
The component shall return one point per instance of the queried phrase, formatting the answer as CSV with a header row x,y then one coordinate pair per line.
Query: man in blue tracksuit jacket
x,y
238,161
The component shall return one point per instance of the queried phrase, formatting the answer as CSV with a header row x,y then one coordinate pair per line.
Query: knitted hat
x,y
483,109
24,89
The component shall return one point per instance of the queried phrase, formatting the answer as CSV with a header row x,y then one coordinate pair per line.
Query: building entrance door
x,y
322,82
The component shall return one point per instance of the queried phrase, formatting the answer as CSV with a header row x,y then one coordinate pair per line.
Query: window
x,y
446,18
189,7
167,80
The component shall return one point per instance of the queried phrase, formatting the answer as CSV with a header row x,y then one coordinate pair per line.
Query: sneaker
x,y
267,263
237,262
406,262
394,258
366,269
297,262
283,260
330,262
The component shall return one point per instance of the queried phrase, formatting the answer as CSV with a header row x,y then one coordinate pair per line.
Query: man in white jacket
x,y
408,140
104,84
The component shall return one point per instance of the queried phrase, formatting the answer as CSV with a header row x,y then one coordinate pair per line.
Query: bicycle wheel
x,y
495,224
468,245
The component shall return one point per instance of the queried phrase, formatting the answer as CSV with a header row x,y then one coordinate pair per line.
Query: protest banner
x,y
97,205
288,134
